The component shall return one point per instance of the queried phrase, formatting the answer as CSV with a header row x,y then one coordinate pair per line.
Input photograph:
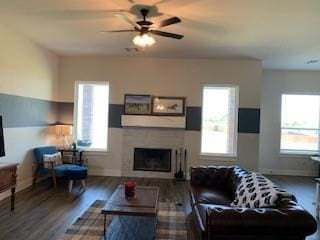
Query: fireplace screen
x,y
152,159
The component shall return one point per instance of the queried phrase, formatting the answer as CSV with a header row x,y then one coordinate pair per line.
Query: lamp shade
x,y
66,130
58,130
63,130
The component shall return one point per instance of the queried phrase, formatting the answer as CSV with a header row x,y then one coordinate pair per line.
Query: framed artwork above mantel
x,y
135,104
168,106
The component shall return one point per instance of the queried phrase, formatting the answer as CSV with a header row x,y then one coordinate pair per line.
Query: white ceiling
x,y
284,34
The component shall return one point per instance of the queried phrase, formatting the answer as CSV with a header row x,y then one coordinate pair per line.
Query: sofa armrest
x,y
265,221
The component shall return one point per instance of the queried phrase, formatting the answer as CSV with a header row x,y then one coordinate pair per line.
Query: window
x,y
91,111
219,120
300,123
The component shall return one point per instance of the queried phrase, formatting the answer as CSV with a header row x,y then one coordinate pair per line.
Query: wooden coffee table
x,y
145,203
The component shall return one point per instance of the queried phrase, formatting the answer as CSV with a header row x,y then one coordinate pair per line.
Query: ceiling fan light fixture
x,y
144,40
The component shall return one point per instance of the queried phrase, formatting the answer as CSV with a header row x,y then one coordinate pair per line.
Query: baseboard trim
x,y
289,172
20,186
104,172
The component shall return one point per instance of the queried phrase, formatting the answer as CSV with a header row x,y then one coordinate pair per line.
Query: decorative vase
x,y
129,188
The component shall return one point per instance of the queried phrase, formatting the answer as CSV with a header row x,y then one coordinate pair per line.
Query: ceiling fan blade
x,y
166,34
125,18
119,31
169,21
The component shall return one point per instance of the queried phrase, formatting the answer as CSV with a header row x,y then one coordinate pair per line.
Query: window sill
x,y
297,154
218,157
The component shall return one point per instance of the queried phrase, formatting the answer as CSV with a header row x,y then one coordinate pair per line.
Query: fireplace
x,y
152,159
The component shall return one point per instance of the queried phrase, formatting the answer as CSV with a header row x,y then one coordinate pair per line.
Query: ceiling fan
x,y
146,29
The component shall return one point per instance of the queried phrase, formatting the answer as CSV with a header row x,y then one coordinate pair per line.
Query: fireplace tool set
x,y
181,160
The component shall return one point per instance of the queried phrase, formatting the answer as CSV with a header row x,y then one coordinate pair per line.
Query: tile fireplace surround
x,y
149,138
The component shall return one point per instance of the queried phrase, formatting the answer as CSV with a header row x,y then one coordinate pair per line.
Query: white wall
x,y
26,69
159,76
168,77
31,71
275,83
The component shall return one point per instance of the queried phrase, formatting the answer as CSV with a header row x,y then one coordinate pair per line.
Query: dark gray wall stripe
x,y
115,112
27,112
193,118
249,120
20,111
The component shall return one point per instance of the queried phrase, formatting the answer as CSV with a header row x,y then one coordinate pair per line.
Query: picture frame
x,y
168,106
137,104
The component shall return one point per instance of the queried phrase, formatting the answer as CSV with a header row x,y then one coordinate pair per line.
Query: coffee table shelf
x,y
144,204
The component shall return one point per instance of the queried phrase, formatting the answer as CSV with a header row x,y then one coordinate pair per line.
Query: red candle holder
x,y
129,188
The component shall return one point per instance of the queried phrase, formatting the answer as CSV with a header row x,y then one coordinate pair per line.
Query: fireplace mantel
x,y
153,121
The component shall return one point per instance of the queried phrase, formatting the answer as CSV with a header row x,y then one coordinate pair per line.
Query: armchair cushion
x,y
76,172
71,171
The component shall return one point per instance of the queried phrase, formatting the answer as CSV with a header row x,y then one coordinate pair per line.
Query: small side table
x,y
74,153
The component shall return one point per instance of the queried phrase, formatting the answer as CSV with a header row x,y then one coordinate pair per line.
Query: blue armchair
x,y
68,171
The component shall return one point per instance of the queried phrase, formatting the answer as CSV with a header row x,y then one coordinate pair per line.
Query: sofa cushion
x,y
260,221
256,191
211,196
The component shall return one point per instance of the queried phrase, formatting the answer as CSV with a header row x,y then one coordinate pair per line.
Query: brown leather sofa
x,y
211,193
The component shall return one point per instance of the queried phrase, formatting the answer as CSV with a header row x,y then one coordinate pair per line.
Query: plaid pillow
x,y
49,158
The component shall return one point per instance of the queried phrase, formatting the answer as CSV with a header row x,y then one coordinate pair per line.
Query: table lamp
x,y
65,131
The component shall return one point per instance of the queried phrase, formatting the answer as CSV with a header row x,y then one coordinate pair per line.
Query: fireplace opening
x,y
152,159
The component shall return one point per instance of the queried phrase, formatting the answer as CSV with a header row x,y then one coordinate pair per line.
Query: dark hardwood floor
x,y
43,213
